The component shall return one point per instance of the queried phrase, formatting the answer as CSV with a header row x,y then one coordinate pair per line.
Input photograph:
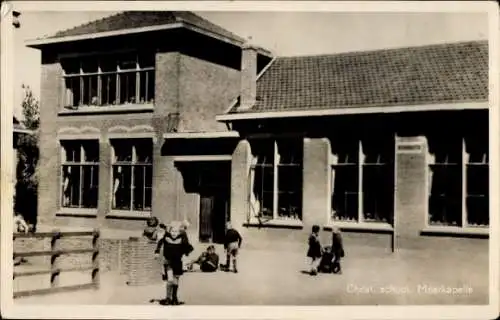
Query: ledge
x,y
108,109
368,227
466,232
76,212
275,223
128,215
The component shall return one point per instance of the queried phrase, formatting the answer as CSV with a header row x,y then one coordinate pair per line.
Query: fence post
x,y
54,259
95,260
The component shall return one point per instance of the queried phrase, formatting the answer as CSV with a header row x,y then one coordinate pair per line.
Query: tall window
x,y
459,181
276,179
80,173
363,180
109,79
132,174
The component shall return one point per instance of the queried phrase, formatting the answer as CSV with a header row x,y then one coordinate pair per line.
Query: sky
x,y
284,33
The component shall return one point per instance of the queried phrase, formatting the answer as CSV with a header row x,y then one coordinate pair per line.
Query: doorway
x,y
215,194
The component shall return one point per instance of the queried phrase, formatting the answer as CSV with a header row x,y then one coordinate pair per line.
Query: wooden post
x,y
95,259
54,259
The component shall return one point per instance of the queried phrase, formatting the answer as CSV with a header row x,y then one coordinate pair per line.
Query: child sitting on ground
x,y
208,261
314,251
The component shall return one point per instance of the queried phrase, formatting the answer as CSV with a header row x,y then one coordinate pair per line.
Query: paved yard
x,y
271,278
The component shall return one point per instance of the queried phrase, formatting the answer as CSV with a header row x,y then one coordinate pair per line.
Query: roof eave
x,y
479,105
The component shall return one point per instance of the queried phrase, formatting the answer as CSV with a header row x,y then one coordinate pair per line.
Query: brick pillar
x,y
411,194
316,182
105,187
142,268
165,177
240,169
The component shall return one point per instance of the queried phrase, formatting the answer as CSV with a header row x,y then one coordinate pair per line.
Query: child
x,y
326,262
232,244
153,227
314,251
175,245
208,261
337,250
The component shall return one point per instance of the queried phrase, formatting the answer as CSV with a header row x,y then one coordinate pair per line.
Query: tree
x,y
26,199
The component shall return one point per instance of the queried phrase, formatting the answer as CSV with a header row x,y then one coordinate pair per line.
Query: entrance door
x,y
206,213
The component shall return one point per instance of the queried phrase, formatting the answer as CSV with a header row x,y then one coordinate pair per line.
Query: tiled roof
x,y
430,74
139,19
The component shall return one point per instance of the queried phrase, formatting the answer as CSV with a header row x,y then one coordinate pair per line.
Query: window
x,y
80,173
132,174
276,179
459,181
109,80
363,180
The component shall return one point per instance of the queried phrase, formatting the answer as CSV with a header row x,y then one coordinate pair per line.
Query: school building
x,y
167,114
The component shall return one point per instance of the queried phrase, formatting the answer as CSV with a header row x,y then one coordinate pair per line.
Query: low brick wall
x,y
141,267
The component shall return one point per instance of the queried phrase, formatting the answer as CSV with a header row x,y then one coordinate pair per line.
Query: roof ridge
x,y
434,45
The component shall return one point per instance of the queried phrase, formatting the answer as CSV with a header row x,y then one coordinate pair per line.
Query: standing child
x,y
232,244
337,249
314,251
175,245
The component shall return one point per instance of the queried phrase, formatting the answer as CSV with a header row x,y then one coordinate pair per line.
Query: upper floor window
x,y
109,80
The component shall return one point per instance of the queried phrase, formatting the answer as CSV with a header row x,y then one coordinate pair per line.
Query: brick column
x,y
240,169
105,182
411,194
316,182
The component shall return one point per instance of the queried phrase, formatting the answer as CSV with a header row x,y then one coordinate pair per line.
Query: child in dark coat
x,y
337,250
232,244
314,250
208,261
175,245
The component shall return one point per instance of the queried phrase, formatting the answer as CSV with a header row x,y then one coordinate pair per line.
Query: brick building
x,y
390,145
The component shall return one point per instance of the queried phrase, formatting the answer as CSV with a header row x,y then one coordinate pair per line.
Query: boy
x,y
208,261
175,245
314,250
337,250
326,262
232,243
153,228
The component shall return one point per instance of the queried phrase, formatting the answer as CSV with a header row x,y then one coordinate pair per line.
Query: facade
x,y
206,127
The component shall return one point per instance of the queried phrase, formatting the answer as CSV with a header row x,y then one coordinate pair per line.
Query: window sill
x,y
125,214
109,109
76,212
361,226
479,232
275,223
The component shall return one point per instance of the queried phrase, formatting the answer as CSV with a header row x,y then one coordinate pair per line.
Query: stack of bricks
x,y
142,268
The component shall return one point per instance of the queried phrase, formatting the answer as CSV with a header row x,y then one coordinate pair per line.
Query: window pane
x,y
89,64
477,148
378,191
123,150
91,149
122,179
72,91
71,66
148,182
345,192
108,63
445,201
108,89
90,185
72,150
127,87
263,149
477,200
378,150
144,150
90,90
147,60
71,186
346,151
146,82
447,150
263,190
139,184
290,151
127,61
290,192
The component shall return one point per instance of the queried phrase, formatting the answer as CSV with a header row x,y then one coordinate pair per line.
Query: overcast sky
x,y
284,33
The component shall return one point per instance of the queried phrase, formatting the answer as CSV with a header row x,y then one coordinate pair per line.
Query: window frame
x,y
132,212
465,156
100,74
80,163
361,165
275,190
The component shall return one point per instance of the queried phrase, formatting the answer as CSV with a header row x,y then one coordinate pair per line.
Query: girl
x,y
314,251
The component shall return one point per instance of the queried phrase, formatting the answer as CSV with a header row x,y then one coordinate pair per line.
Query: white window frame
x,y
68,95
276,164
80,163
360,165
131,164
464,214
